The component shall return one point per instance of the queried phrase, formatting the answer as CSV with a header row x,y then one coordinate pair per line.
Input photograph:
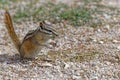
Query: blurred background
x,y
93,13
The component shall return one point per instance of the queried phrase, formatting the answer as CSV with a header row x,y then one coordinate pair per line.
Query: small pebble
x,y
76,77
118,47
94,40
115,41
107,26
107,16
101,42
0,52
99,30
66,66
46,65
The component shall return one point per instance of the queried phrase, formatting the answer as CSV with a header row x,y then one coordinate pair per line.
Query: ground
x,y
87,48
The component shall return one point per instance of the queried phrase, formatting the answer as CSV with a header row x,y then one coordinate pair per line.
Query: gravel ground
x,y
97,50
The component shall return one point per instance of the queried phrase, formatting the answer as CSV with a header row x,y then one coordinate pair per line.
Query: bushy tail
x,y
11,31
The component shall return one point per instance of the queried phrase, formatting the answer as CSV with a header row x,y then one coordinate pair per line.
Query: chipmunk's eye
x,y
48,30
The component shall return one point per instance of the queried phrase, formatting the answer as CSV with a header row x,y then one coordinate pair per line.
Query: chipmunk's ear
x,y
42,24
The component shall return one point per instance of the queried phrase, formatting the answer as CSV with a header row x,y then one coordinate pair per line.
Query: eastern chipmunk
x,y
33,41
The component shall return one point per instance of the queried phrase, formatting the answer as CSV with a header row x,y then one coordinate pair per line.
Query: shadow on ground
x,y
5,58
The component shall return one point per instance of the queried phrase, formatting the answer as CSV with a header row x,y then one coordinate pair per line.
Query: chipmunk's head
x,y
47,30
45,33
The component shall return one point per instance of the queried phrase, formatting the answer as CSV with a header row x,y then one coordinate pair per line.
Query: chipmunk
x,y
34,39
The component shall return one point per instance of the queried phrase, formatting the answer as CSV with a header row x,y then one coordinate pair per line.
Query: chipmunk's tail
x,y
11,31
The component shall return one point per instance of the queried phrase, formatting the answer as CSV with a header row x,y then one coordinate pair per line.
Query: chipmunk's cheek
x,y
52,37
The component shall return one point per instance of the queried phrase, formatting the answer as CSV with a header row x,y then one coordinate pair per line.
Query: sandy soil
x,y
82,53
